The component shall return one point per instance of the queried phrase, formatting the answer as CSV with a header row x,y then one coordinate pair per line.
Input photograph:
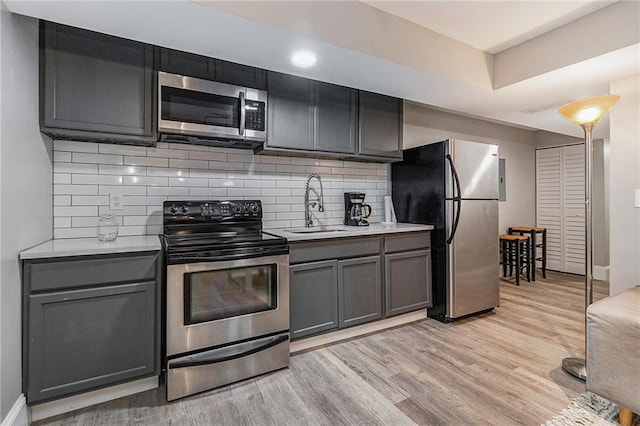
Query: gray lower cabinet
x,y
407,266
95,86
380,126
313,295
89,322
359,290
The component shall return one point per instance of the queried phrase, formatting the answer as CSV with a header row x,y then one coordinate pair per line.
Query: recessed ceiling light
x,y
303,58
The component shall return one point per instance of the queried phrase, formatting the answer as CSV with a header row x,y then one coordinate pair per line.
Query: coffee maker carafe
x,y
355,210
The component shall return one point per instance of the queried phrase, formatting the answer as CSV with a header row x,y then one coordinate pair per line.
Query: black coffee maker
x,y
355,210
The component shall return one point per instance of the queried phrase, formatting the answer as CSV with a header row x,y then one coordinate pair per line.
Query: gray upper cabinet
x,y
379,126
192,65
89,322
241,75
309,115
95,86
189,64
335,118
290,111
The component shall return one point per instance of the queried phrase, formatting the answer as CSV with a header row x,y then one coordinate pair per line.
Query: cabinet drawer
x,y
341,248
89,272
404,242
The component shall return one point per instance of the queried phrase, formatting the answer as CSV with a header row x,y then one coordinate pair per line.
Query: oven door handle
x,y
229,353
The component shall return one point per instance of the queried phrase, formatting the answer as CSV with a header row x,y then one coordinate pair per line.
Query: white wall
x,y
624,180
423,124
25,186
86,173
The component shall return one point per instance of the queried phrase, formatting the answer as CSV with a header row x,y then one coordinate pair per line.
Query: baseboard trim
x,y
61,406
17,416
601,273
359,330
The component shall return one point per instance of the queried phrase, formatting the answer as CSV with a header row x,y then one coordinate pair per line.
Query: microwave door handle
x,y
242,113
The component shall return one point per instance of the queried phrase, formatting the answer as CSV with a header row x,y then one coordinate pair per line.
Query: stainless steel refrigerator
x,y
453,185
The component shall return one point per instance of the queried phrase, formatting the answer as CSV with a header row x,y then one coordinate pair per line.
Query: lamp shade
x,y
588,112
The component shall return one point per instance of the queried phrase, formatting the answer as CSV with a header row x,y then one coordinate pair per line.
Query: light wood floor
x,y
501,368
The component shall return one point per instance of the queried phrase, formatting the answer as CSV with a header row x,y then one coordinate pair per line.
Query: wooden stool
x,y
532,231
515,252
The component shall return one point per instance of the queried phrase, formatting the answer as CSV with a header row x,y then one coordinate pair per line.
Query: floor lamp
x,y
586,113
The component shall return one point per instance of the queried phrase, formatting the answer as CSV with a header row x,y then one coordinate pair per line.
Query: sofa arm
x,y
613,348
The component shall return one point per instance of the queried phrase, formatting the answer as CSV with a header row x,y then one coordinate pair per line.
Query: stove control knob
x,y
173,209
236,208
184,209
204,210
254,207
245,209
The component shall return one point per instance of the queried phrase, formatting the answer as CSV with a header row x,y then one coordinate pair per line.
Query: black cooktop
x,y
198,231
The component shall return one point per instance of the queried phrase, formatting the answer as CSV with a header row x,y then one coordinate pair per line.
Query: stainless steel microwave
x,y
193,110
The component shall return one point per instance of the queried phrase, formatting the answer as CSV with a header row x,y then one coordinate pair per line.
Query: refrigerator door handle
x,y
457,199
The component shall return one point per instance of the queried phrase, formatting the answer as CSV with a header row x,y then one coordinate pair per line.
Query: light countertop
x,y
343,231
90,246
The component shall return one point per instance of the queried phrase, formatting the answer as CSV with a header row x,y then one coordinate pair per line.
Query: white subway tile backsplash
x,y
72,146
60,167
75,189
167,190
80,157
107,169
146,180
146,161
75,211
86,173
188,182
179,163
86,179
62,200
107,148
122,190
167,153
89,200
62,222
62,178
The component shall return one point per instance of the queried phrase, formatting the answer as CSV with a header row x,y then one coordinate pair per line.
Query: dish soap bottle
x,y
107,228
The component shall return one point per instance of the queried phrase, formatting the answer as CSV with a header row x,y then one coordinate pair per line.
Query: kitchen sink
x,y
315,230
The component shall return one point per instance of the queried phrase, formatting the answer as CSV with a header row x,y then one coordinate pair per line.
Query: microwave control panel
x,y
255,115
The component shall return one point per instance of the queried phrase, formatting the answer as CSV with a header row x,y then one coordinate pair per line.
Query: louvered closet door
x,y
549,202
560,206
573,206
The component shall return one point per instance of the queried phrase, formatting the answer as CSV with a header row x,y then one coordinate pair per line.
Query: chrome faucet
x,y
311,203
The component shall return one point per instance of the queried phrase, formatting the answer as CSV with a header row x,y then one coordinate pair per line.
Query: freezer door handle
x,y
457,199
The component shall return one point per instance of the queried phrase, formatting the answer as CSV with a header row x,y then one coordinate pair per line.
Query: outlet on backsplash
x,y
115,201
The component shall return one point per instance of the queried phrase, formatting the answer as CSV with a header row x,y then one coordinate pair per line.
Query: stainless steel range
x,y
227,295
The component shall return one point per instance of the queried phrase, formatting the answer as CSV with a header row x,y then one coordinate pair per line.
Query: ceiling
x,y
506,61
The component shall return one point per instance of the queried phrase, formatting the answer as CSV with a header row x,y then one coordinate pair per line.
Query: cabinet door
x,y
96,83
360,290
241,75
183,63
313,290
84,339
407,281
335,125
380,125
290,112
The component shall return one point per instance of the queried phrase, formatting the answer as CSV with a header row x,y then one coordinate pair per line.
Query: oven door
x,y
217,303
192,106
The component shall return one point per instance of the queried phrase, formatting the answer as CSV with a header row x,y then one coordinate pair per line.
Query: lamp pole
x,y
586,113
